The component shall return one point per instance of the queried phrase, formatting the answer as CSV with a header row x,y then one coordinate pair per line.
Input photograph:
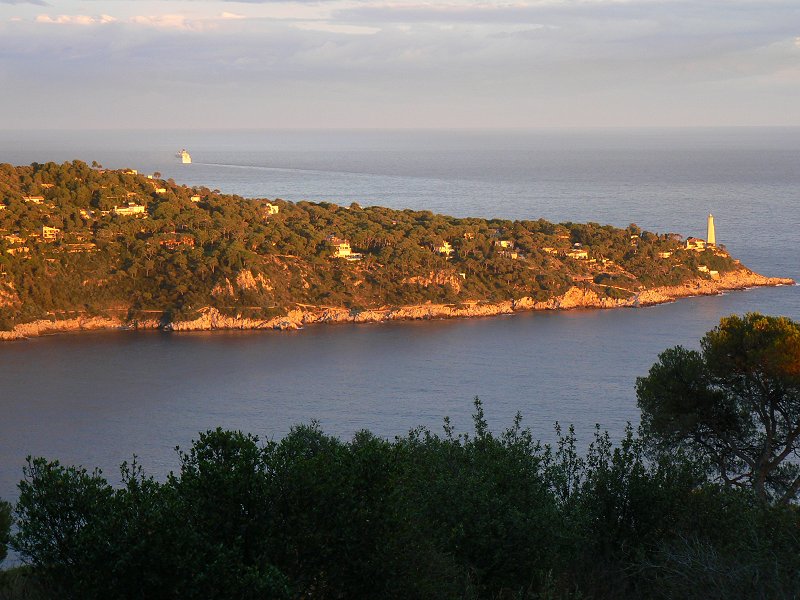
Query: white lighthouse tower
x,y
711,238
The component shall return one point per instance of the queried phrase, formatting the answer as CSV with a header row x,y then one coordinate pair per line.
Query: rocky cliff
x,y
46,326
576,297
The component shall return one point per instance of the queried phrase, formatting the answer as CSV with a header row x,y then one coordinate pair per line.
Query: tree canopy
x,y
735,403
5,528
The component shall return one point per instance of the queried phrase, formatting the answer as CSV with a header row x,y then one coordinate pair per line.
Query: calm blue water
x,y
98,398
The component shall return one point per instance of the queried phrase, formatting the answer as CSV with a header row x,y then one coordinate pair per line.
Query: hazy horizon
x,y
399,64
511,129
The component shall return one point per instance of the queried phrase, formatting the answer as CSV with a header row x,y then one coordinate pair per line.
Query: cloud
x,y
328,27
76,19
366,62
37,2
532,31
165,21
169,21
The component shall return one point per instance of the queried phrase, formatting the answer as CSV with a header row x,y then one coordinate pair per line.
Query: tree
x,y
5,528
223,501
64,516
734,404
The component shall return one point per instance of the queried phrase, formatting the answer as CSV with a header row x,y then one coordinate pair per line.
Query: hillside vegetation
x,y
80,239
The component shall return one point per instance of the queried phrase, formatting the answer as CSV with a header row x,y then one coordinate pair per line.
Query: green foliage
x,y
233,254
426,516
65,521
223,496
5,528
739,549
21,583
735,405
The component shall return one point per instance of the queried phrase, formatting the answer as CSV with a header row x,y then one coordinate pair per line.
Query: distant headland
x,y
83,247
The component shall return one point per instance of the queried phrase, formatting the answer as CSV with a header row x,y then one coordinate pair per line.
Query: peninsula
x,y
83,247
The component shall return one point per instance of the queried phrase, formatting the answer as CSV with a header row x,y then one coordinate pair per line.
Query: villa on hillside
x,y
50,234
445,249
14,238
341,249
130,210
33,199
271,209
696,244
510,253
577,254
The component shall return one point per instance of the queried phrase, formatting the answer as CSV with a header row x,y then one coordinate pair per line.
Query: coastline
x,y
574,298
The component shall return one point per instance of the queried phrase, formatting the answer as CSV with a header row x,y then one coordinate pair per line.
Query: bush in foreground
x,y
5,528
423,516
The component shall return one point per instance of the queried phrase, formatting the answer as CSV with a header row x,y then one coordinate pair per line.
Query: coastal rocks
x,y
143,324
329,315
424,311
435,311
372,316
586,298
733,280
279,324
210,318
45,326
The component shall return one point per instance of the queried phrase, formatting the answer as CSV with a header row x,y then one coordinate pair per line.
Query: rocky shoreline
x,y
576,297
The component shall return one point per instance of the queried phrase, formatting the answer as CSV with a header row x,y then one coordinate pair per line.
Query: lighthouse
x,y
711,238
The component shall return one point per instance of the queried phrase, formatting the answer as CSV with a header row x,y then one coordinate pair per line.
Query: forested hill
x,y
80,238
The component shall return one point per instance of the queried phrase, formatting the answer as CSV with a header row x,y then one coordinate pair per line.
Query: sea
x,y
98,399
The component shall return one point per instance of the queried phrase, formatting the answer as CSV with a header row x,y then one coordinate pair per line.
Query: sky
x,y
212,64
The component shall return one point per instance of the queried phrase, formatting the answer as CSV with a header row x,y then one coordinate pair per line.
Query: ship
x,y
185,157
